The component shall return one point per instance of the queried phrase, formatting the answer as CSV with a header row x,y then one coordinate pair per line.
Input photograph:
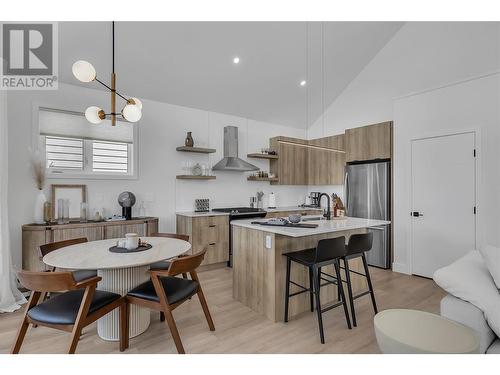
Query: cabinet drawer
x,y
216,253
212,233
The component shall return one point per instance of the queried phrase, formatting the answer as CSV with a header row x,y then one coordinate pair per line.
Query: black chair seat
x,y
176,289
63,308
81,275
305,257
163,265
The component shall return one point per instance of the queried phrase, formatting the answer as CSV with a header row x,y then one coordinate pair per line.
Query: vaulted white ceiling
x,y
190,63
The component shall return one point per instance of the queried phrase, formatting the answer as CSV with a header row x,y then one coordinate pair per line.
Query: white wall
x,y
162,128
472,105
422,58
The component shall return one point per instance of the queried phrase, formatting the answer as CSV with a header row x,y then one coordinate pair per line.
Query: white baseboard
x,y
401,268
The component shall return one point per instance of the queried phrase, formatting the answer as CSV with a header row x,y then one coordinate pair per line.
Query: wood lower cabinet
x,y
211,232
369,142
34,235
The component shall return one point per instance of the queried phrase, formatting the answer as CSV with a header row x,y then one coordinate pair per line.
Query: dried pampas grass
x,y
38,169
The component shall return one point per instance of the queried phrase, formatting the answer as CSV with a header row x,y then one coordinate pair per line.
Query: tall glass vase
x,y
38,209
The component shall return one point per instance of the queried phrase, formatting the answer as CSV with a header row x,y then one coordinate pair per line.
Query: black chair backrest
x,y
359,243
330,248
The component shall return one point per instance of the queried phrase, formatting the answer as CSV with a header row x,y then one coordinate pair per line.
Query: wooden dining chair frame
x,y
43,282
50,247
183,237
187,264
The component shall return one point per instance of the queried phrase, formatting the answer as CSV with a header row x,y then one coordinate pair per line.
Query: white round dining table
x,y
120,272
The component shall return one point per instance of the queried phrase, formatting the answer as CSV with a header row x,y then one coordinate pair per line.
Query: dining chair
x,y
164,292
164,264
79,275
80,305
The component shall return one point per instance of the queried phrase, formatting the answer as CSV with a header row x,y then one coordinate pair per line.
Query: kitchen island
x,y
259,266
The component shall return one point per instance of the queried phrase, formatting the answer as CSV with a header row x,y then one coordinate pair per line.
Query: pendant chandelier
x,y
85,72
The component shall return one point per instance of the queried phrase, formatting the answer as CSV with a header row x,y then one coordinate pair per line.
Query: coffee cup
x,y
131,241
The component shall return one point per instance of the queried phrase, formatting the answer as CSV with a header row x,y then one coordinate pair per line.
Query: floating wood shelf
x,y
262,156
200,150
270,179
193,177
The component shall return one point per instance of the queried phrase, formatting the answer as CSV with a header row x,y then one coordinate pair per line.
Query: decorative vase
x,y
39,205
189,142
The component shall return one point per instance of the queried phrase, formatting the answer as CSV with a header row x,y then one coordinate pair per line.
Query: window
x,y
74,148
109,157
64,153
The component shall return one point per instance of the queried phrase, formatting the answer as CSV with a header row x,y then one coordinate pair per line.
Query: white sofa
x,y
472,283
469,315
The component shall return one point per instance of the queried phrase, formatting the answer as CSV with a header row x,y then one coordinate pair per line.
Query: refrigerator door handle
x,y
346,193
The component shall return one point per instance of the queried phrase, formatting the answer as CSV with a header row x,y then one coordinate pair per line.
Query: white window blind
x,y
109,157
74,148
64,153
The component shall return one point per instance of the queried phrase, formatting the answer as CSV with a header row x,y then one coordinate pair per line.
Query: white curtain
x,y
10,297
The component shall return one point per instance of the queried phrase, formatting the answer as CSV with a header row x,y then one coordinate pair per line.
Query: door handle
x,y
416,214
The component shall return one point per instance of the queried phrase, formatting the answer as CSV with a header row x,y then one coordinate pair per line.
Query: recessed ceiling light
x,y
303,83
236,60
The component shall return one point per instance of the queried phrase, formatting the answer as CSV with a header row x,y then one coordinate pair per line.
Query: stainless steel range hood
x,y
231,161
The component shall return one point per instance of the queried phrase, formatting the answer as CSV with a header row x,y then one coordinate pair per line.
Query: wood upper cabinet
x,y
369,142
326,167
291,165
298,164
211,232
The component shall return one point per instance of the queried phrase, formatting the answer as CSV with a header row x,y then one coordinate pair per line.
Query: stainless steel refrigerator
x,y
368,195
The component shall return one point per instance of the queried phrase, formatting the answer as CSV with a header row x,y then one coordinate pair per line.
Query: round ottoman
x,y
401,331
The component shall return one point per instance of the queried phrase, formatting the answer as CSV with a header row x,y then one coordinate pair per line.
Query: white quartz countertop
x,y
324,226
212,213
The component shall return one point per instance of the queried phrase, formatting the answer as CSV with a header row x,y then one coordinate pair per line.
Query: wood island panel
x,y
259,273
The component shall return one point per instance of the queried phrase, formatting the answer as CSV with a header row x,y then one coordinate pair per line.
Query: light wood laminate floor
x,y
241,330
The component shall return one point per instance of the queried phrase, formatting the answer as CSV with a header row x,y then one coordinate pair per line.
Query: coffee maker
x,y
315,198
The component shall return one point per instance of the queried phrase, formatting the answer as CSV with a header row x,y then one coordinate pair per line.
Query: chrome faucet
x,y
328,214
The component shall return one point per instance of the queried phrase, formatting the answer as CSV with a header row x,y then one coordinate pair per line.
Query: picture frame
x,y
76,194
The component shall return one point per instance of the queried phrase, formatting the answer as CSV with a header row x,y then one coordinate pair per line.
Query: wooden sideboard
x,y
35,235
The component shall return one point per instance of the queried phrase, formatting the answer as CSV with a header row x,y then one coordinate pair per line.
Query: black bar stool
x,y
327,252
356,247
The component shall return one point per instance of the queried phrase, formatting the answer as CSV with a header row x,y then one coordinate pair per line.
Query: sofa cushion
x,y
491,256
466,313
494,348
469,279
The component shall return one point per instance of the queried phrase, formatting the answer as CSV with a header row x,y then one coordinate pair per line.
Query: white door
x,y
443,201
